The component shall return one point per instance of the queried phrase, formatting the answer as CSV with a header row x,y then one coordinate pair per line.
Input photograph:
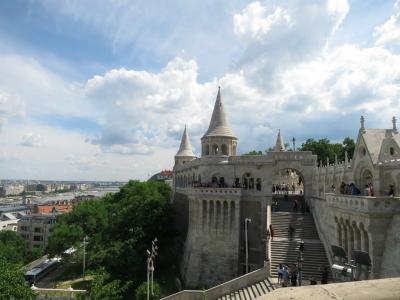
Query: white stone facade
x,y
221,190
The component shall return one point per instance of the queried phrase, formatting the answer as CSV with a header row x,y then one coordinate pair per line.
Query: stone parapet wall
x,y
362,223
222,289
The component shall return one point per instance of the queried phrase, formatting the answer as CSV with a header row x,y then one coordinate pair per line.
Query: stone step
x,y
251,292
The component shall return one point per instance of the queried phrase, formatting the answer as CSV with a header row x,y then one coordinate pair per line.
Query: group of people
x,y
350,189
283,188
288,275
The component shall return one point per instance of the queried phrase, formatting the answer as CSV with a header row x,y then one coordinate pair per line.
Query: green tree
x,y
253,152
102,287
324,149
13,285
13,247
120,228
141,291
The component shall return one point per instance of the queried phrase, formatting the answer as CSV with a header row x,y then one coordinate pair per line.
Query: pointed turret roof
x,y
185,148
219,125
279,146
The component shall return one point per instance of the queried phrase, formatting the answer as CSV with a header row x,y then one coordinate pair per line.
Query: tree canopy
x,y
324,149
120,228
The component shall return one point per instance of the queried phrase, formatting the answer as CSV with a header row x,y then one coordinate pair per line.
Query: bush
x,y
141,291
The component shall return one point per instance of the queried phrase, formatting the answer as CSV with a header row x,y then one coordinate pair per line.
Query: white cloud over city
x,y
282,69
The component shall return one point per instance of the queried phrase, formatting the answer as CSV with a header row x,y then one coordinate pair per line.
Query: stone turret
x,y
279,145
185,152
219,139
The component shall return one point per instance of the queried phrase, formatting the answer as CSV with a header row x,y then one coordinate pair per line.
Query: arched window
x,y
234,149
391,151
224,149
221,182
215,149
245,183
206,149
258,184
251,183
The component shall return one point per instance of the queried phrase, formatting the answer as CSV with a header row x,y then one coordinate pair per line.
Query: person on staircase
x,y
271,231
280,273
291,231
293,275
324,275
295,205
301,246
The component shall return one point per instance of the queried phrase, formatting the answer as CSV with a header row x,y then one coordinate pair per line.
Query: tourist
x,y
342,187
285,276
295,205
367,191
301,246
333,190
280,273
371,188
391,190
293,275
324,275
313,281
291,231
271,231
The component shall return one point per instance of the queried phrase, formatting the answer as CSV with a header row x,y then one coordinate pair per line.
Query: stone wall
x,y
211,250
362,223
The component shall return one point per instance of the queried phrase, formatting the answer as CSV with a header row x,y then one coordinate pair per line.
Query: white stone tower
x,y
279,145
219,139
185,152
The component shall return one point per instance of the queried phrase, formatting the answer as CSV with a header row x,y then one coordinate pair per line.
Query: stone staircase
x,y
251,292
285,250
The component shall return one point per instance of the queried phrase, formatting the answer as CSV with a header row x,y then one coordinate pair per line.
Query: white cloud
x,y
31,140
255,21
10,106
388,33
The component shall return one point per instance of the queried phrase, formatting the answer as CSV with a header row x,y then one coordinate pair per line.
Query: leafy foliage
x,y
141,291
102,287
120,228
253,152
13,247
12,282
324,149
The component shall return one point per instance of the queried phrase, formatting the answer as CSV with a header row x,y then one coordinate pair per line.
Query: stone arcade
x,y
215,193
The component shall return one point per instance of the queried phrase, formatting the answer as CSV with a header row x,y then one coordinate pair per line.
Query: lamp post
x,y
150,266
84,255
268,238
246,221
294,144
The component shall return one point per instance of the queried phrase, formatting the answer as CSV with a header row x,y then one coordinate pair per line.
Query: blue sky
x,y
101,90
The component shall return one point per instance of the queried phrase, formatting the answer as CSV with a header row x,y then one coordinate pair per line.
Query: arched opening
x,y
245,183
366,178
391,151
234,149
214,181
206,149
211,223
288,181
204,213
389,185
215,149
251,183
224,149
218,218
357,236
232,220
225,215
258,184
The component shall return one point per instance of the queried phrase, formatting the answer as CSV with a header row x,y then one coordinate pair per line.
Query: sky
x,y
101,90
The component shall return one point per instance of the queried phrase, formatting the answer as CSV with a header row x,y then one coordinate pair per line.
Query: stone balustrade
x,y
222,289
366,204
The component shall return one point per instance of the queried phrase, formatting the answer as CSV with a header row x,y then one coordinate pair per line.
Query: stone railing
x,y
212,190
379,204
222,289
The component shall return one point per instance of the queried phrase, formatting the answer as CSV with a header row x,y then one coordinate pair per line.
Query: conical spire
x,y
219,125
185,149
279,146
